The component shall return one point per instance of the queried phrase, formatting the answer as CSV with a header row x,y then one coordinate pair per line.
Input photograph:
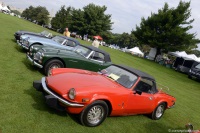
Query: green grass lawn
x,y
23,109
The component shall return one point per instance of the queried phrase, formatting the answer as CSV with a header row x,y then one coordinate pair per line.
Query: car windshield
x,y
121,76
59,39
84,51
45,33
197,66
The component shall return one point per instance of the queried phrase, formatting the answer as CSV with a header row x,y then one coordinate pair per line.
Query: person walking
x,y
66,32
95,43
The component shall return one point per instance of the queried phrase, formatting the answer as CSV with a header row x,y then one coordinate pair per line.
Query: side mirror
x,y
138,92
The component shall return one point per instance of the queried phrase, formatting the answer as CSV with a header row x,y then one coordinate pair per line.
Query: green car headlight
x,y
31,48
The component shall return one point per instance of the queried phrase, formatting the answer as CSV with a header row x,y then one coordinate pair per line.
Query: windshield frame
x,y
58,39
83,53
122,76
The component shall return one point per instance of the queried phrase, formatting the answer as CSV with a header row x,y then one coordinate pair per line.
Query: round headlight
x,y
31,48
72,94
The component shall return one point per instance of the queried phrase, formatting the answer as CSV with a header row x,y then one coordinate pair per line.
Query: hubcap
x,y
95,114
159,111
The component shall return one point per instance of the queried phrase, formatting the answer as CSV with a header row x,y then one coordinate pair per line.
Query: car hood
x,y
58,51
82,81
31,36
25,32
42,40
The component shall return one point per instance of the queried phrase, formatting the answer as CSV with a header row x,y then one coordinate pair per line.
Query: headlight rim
x,y
72,94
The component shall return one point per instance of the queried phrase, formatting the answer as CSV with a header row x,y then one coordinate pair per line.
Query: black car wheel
x,y
94,114
55,63
159,111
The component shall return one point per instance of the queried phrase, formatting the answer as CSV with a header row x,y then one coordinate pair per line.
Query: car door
x,y
141,103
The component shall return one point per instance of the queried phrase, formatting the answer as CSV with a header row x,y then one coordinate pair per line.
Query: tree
x,y
96,22
16,12
27,13
62,19
78,21
168,29
40,14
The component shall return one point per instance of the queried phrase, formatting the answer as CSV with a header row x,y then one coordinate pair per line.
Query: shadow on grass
x,y
161,128
20,49
41,105
40,102
29,65
13,40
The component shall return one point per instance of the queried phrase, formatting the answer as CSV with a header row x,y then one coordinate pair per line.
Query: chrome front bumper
x,y
33,62
21,45
46,89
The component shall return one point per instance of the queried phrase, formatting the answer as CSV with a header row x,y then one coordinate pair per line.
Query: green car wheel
x,y
51,64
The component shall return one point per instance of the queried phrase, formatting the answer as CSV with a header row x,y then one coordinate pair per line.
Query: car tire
x,y
158,112
54,63
94,114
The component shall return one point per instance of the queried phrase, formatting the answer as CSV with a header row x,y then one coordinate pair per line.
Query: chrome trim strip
x,y
60,99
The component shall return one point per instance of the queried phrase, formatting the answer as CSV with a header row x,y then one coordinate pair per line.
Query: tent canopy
x,y
5,8
136,50
186,56
98,37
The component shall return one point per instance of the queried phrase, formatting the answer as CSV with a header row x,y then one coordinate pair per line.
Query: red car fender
x,y
99,97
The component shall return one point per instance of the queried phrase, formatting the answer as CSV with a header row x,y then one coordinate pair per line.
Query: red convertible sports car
x,y
114,91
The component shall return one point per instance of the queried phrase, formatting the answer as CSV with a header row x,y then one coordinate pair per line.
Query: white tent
x,y
0,6
179,54
185,55
5,8
136,51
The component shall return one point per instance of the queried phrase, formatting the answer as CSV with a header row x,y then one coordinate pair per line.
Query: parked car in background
x,y
82,57
115,91
194,72
57,42
44,34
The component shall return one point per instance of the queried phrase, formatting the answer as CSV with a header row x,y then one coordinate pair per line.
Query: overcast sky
x,y
126,14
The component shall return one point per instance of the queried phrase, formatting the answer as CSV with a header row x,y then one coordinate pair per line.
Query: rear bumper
x,y
53,99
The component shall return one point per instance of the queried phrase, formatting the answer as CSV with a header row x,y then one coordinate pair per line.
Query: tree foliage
x,y
62,19
16,12
40,14
90,20
168,29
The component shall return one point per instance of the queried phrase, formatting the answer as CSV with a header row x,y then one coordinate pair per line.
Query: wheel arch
x,y
38,43
107,102
165,102
55,58
35,43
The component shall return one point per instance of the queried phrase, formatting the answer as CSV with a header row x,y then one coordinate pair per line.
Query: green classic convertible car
x,y
82,57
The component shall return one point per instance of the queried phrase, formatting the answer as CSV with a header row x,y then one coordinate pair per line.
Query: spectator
x,y
66,32
95,43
